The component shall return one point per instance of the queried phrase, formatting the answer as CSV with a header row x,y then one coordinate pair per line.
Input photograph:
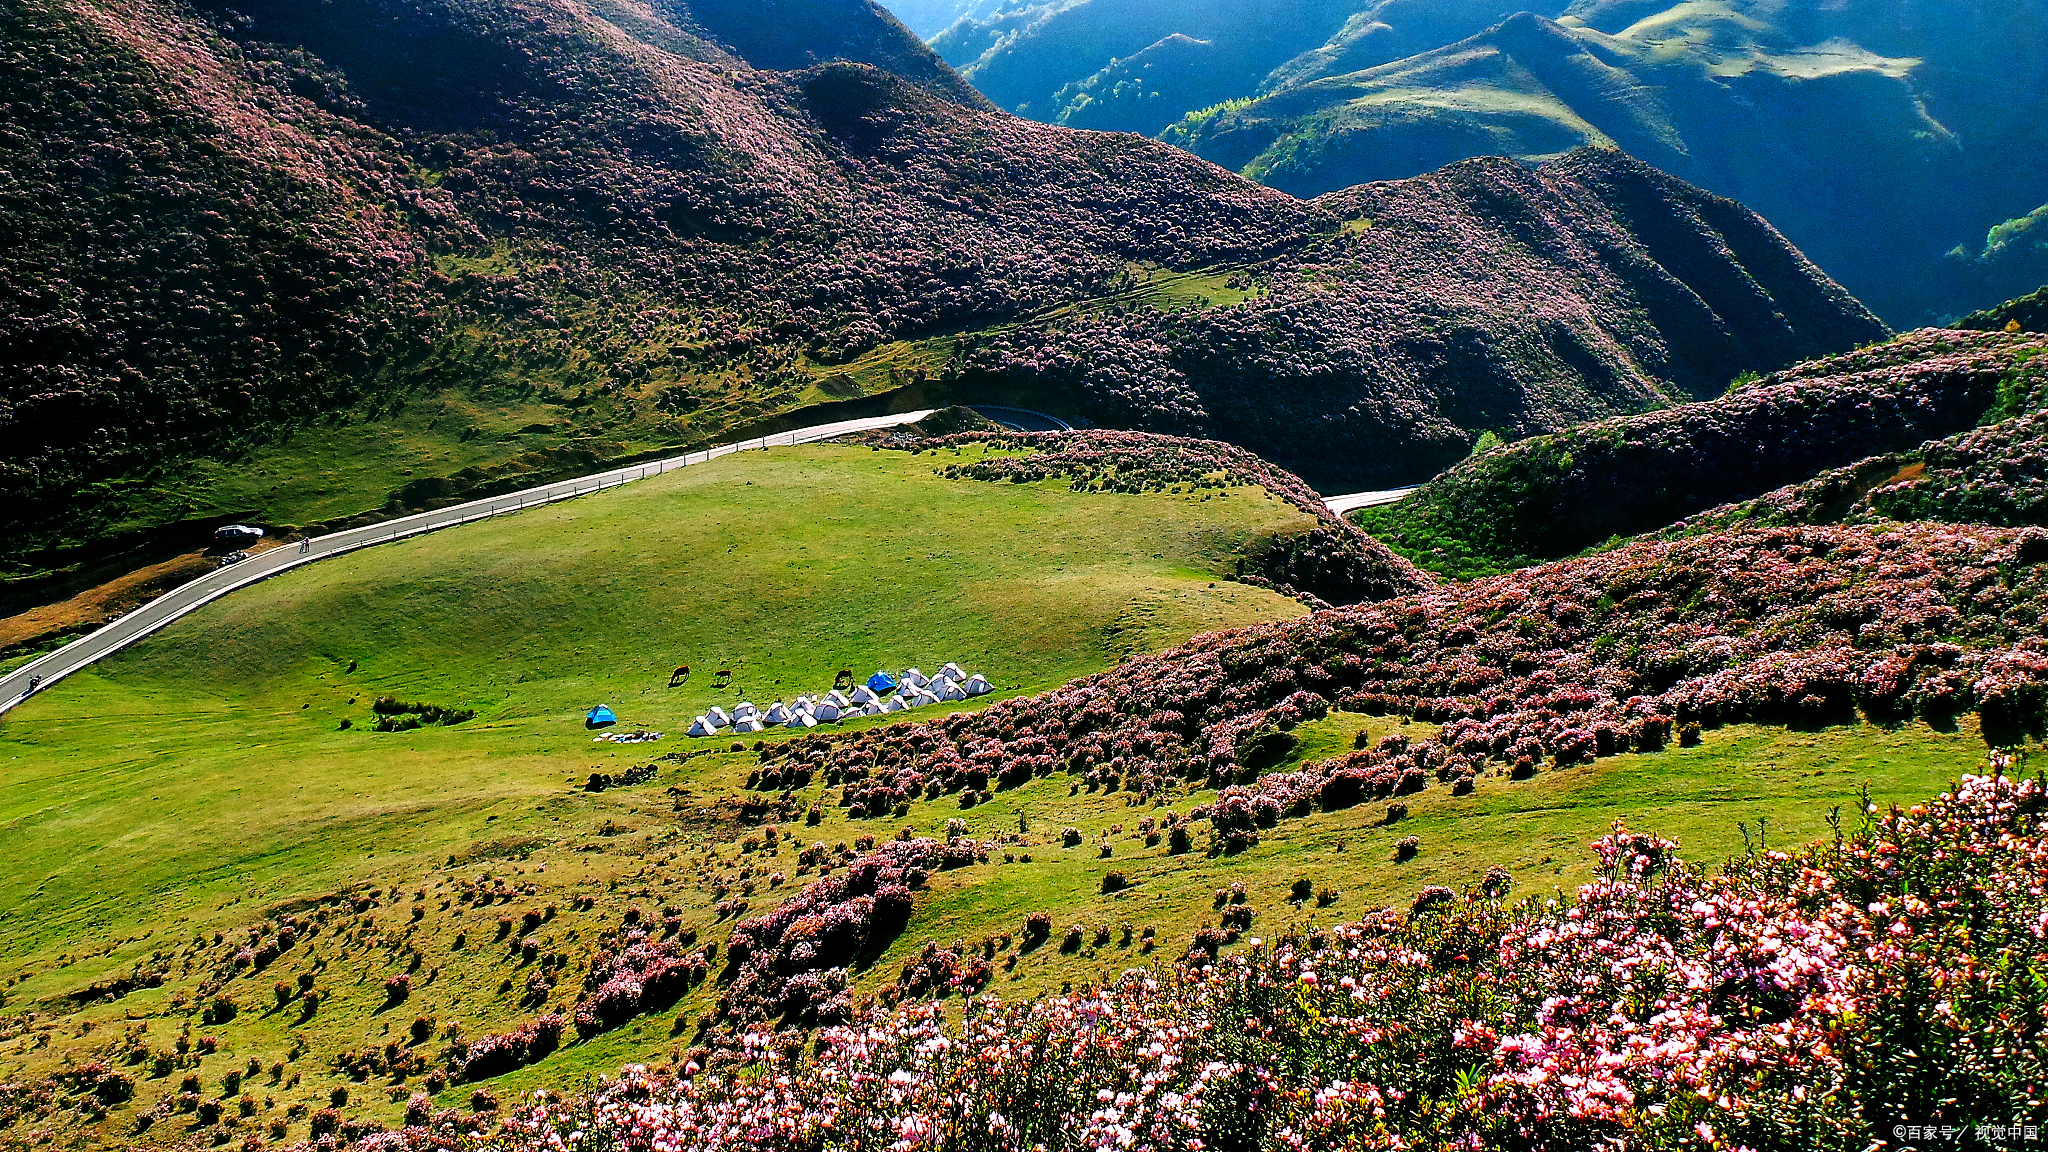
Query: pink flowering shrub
x,y
1803,1000
1610,653
790,965
502,1053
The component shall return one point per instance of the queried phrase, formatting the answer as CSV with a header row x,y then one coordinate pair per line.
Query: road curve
x,y
1356,500
118,634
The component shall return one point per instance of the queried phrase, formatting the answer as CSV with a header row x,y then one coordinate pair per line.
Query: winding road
x,y
117,634
15,686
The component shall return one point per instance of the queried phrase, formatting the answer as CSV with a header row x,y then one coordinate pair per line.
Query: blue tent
x,y
881,682
599,717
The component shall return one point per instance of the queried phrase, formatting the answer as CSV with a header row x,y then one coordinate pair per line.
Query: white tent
x,y
953,672
912,678
864,695
947,690
718,717
778,713
802,720
895,704
977,685
921,698
702,726
836,698
873,708
742,710
748,724
827,712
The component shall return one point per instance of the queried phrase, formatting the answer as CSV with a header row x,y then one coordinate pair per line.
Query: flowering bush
x,y
1611,653
789,965
1788,1003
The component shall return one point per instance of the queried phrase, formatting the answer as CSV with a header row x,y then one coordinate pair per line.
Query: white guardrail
x,y
117,634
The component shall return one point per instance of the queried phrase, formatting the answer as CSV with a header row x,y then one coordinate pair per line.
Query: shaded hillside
x,y
1863,132
599,231
1557,494
1485,296
2029,312
225,240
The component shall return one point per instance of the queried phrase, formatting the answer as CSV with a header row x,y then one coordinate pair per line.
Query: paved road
x,y
14,687
1356,500
1022,419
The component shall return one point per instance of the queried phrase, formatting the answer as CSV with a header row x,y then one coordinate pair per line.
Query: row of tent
x,y
910,689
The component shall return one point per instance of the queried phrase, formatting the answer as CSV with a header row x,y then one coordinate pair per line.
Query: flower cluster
x,y
789,965
1797,1000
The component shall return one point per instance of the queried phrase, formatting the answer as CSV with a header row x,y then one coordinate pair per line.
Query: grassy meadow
x,y
159,804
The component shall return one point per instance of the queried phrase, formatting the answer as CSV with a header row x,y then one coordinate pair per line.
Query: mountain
x,y
1892,141
256,233
927,18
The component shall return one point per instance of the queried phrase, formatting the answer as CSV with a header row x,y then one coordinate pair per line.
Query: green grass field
x,y
201,782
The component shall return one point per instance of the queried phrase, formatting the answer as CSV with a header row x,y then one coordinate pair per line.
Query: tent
x,y
836,698
864,695
599,716
912,678
953,672
895,704
827,712
921,698
802,720
718,717
947,690
977,685
749,723
872,708
881,682
742,710
778,713
702,726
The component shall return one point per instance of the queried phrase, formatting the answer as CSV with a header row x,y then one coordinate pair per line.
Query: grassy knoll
x,y
159,805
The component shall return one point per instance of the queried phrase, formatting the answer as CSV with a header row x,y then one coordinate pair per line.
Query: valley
x,y
1493,644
